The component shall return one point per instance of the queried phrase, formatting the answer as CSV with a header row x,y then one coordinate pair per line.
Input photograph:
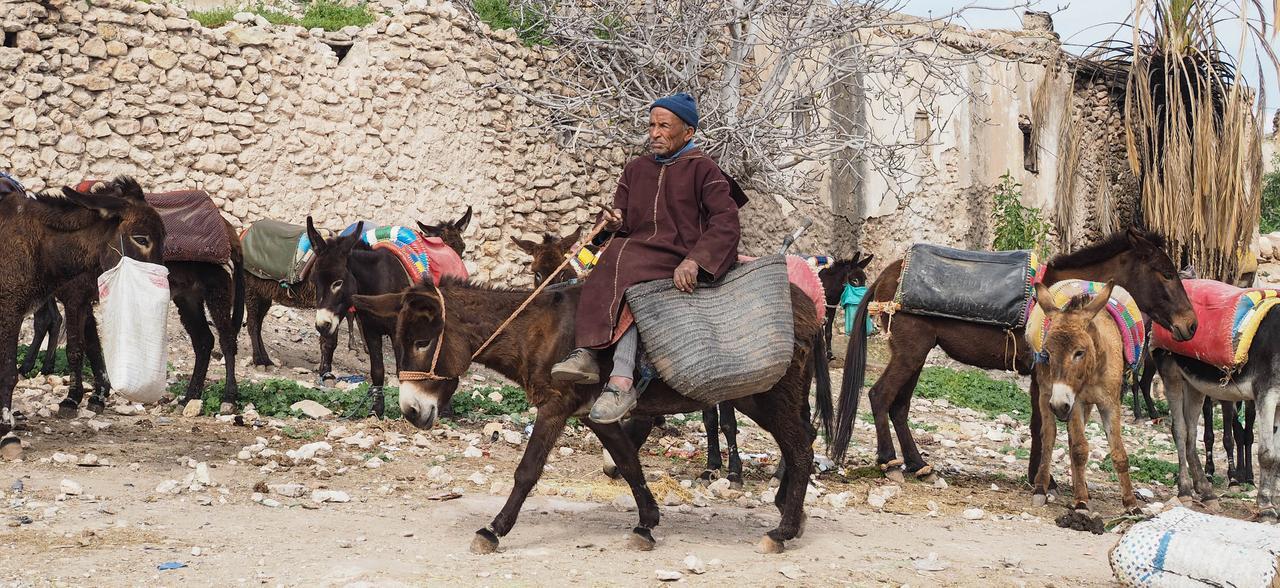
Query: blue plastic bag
x,y
850,299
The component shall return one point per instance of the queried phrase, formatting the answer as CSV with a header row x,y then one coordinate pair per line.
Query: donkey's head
x,y
424,345
841,272
333,280
548,255
117,214
1136,261
1073,361
450,232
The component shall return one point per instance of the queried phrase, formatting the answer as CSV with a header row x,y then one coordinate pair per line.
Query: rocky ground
x,y
106,499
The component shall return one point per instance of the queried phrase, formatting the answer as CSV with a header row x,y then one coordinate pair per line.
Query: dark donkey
x,y
344,267
263,293
53,240
194,286
1134,259
439,330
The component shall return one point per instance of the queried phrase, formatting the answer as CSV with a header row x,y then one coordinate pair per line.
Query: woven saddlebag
x,y
724,341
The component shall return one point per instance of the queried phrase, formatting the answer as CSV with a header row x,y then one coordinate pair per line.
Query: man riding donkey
x,y
673,216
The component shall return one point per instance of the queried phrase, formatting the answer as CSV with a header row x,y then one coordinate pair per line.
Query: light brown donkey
x,y
1081,365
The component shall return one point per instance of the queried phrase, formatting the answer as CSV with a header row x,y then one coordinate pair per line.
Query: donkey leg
x,y
637,429
1246,444
711,423
97,364
10,445
1119,457
1079,452
619,443
729,424
1268,453
218,299
1041,450
256,307
40,324
78,313
1144,385
898,413
783,417
377,368
547,427
1184,413
1229,428
1208,436
191,311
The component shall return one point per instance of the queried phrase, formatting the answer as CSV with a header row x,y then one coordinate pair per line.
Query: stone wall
x,y
407,126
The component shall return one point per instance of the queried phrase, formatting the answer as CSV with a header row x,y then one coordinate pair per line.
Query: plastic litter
x,y
171,565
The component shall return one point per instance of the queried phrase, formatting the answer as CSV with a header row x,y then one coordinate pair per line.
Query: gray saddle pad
x,y
991,288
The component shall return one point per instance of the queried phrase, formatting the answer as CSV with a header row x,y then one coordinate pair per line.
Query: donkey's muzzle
x,y
420,418
1061,410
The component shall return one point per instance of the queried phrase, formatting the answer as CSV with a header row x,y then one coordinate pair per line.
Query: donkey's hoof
x,y
68,409
10,447
484,542
1082,508
804,520
641,539
708,476
735,481
769,546
1039,500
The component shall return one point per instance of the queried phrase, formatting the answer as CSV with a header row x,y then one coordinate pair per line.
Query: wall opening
x,y
1029,152
339,48
11,38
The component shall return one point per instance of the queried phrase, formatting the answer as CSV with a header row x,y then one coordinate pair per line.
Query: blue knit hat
x,y
681,105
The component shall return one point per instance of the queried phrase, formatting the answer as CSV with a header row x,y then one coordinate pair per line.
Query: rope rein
x,y
416,376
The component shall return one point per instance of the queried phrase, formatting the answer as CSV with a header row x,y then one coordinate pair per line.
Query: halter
x,y
430,374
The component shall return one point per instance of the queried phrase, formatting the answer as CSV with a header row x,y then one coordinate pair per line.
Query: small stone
x,y
1145,493
202,474
668,575
65,458
566,451
695,565
167,486
193,408
288,490
491,430
940,484
472,451
71,488
974,514
309,451
437,475
672,499
512,437
311,409
624,503
373,463
270,503
321,496
478,479
97,425
196,551
791,572
719,487
930,563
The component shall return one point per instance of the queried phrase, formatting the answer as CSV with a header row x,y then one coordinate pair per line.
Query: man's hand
x,y
686,276
612,219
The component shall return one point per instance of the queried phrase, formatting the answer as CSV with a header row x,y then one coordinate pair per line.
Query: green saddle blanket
x,y
276,250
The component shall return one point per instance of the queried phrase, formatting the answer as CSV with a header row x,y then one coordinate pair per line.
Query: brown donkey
x,y
1083,367
262,294
1134,260
53,240
548,255
438,331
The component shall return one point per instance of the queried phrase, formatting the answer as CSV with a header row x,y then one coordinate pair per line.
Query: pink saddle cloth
x,y
1227,320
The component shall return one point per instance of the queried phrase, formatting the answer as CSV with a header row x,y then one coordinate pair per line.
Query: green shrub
x,y
60,366
212,19
331,16
476,402
1270,221
974,389
529,25
1017,226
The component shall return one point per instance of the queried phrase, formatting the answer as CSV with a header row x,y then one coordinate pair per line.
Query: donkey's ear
x,y
461,223
317,242
430,230
349,242
106,206
425,304
1100,301
385,306
129,188
1044,298
570,240
528,246
862,263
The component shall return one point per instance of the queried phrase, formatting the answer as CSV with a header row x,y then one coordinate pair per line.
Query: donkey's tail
x,y
237,303
822,373
855,372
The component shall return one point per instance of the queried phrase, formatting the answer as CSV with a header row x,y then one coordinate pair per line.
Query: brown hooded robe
x,y
670,212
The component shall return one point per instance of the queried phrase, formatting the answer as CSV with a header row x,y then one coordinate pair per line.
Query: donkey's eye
x,y
421,344
537,277
335,286
1079,355
141,240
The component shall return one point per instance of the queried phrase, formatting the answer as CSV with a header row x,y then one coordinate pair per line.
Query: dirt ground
x,y
147,500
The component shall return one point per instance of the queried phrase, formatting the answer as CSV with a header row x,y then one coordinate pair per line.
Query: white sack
x,y
134,310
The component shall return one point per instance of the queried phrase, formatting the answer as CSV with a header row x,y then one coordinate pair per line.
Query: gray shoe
x,y
580,367
613,404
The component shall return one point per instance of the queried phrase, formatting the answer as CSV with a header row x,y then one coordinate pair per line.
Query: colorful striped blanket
x,y
1227,321
422,256
1121,306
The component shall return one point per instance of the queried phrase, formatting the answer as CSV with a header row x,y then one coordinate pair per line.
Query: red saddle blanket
x,y
1227,319
193,226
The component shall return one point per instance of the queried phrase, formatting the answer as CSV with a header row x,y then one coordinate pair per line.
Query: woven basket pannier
x,y
724,341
